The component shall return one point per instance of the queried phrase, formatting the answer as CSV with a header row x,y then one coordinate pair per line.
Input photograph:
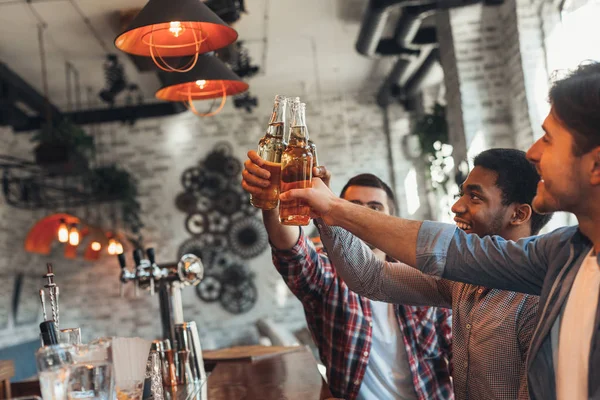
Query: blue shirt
x,y
543,265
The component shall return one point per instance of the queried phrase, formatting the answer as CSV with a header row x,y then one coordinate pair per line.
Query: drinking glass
x,y
53,363
70,336
91,375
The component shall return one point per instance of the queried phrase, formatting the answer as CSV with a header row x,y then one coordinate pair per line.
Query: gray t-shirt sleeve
x,y
368,276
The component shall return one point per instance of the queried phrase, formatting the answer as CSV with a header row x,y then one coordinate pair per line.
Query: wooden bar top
x,y
291,375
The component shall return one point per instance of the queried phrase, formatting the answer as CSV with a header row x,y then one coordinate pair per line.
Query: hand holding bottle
x,y
318,197
255,178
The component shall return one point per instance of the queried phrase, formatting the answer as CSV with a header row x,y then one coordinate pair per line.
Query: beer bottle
x,y
270,149
296,169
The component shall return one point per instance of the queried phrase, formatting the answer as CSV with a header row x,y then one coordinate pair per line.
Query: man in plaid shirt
x,y
371,350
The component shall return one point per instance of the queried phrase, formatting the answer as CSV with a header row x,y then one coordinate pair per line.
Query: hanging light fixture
x,y
175,28
119,248
73,235
63,231
112,246
96,245
209,79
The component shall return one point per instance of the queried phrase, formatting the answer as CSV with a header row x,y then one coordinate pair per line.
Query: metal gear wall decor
x,y
247,237
224,229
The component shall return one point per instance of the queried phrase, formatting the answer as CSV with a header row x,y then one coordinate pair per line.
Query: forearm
x,y
282,237
371,277
396,237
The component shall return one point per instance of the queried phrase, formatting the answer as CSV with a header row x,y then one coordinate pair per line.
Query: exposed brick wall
x,y
348,130
495,62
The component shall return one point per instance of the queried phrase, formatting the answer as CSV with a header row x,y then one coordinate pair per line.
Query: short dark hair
x,y
517,178
371,180
575,101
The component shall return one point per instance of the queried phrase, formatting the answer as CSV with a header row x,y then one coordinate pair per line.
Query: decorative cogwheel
x,y
215,162
186,202
192,246
239,299
247,237
212,184
224,148
196,224
191,179
212,240
209,289
245,207
222,260
203,204
217,222
229,202
232,167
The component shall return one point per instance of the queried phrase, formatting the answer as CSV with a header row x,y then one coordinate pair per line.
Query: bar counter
x,y
286,373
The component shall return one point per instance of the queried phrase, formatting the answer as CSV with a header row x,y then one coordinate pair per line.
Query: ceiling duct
x,y
408,39
373,24
24,109
126,114
388,90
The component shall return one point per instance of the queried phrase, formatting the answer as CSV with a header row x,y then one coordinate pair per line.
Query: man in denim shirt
x,y
562,267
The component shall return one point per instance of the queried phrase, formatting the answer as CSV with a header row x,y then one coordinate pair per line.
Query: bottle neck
x,y
276,130
278,115
298,136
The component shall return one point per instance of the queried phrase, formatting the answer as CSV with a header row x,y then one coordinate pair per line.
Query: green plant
x,y
431,128
117,184
68,134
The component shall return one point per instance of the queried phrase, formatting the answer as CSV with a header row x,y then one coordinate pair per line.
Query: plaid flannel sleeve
x,y
305,269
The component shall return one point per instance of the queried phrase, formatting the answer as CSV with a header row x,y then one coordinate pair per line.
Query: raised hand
x,y
255,178
318,197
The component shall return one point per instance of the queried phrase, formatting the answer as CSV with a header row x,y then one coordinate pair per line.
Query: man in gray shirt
x,y
491,328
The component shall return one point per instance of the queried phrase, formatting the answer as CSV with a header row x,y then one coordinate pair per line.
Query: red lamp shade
x,y
43,233
209,79
175,28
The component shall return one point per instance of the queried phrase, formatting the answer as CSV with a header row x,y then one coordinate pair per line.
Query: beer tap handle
x,y
137,256
123,264
152,258
151,255
122,261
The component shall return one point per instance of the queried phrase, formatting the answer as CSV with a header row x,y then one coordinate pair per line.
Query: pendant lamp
x,y
209,79
175,28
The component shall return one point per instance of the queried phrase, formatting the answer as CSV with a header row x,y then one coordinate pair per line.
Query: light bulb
x,y
176,28
112,247
201,83
73,236
96,246
119,248
63,232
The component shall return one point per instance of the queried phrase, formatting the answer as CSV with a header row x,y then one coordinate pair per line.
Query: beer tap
x,y
166,279
154,270
146,274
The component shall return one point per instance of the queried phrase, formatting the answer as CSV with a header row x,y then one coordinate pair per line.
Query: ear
x,y
521,214
595,173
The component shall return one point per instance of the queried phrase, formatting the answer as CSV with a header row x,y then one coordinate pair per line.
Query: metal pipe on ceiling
x,y
373,24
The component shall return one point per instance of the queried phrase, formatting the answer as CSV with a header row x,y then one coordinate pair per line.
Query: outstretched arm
x,y
440,249
368,276
396,237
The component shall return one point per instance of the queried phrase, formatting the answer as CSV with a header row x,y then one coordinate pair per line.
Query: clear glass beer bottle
x,y
270,149
296,169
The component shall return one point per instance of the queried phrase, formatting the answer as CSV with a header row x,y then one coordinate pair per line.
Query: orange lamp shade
x,y
210,78
175,28
43,233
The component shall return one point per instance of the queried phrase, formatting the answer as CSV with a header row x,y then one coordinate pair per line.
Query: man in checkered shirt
x,y
371,350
